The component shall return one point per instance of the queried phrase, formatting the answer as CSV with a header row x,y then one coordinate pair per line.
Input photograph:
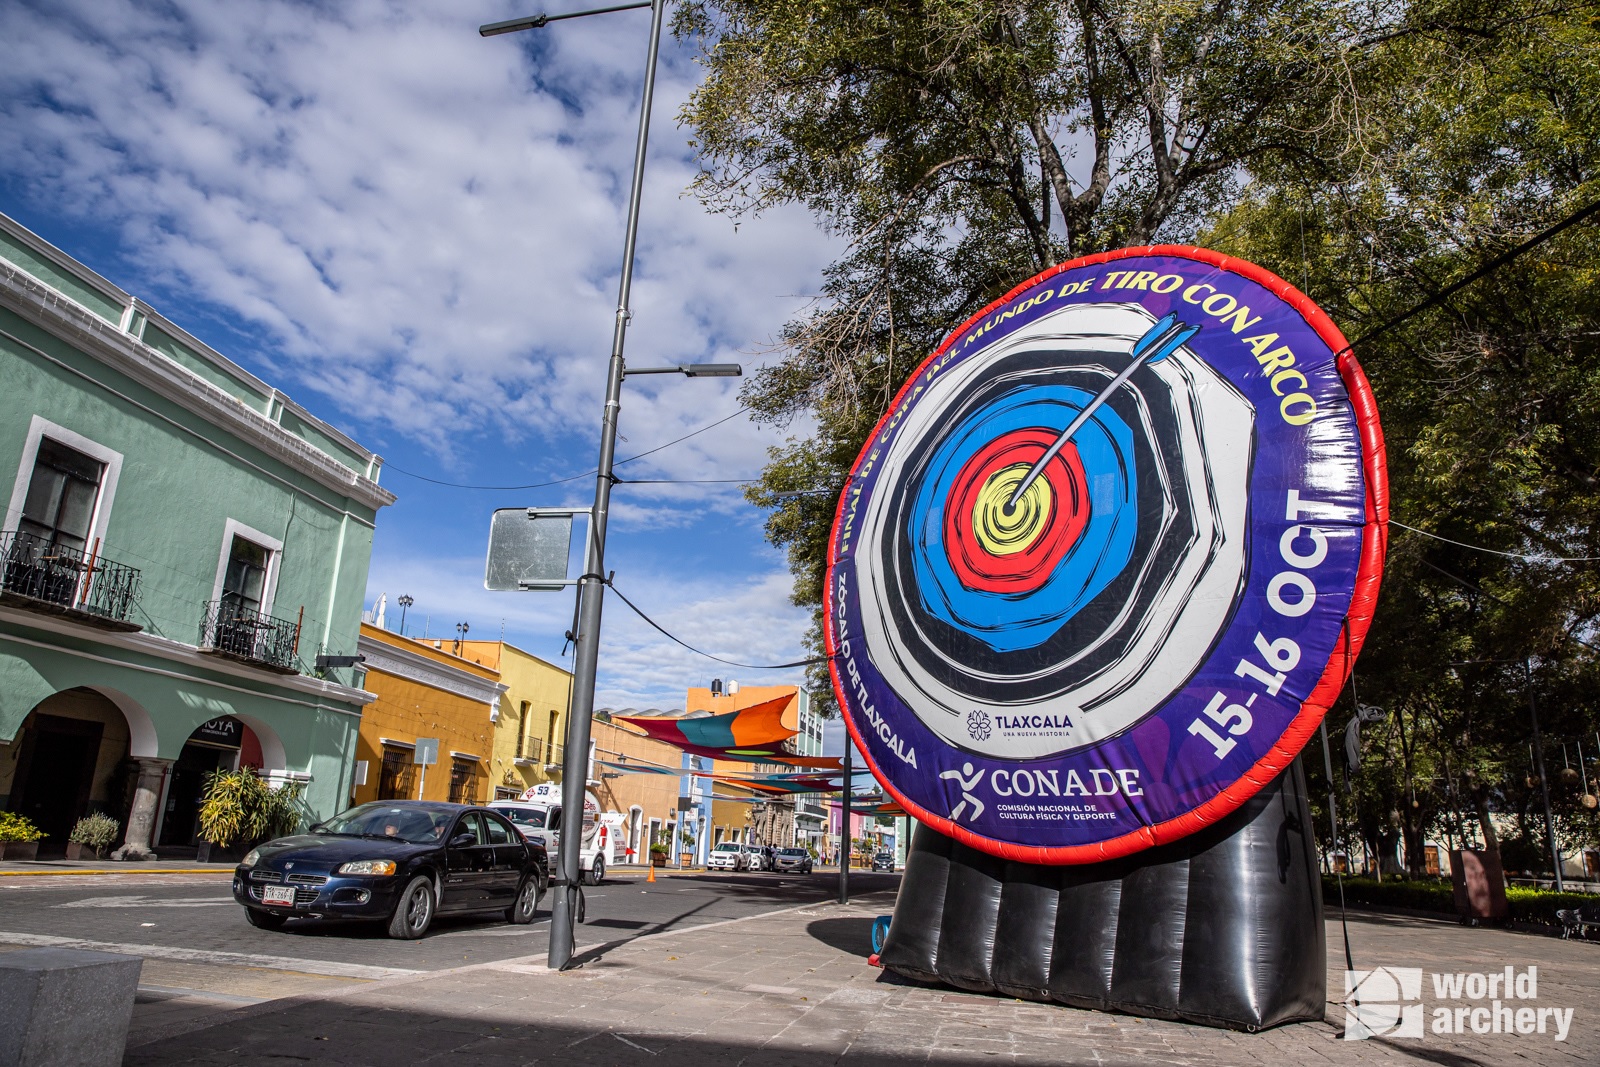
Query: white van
x,y
538,816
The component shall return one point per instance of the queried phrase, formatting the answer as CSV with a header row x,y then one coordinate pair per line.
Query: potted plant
x,y
242,808
19,838
658,854
93,833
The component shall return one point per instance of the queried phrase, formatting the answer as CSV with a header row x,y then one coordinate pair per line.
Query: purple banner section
x,y
1057,663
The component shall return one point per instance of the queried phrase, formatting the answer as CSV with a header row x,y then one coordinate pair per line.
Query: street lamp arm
x,y
692,370
534,22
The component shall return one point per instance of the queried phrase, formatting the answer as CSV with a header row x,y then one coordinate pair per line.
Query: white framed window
x,y
64,488
247,570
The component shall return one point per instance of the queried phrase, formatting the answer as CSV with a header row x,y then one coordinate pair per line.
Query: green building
x,y
180,542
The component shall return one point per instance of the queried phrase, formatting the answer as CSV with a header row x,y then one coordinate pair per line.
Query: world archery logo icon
x,y
1104,546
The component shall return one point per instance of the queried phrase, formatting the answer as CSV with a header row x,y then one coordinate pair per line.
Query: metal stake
x,y
845,844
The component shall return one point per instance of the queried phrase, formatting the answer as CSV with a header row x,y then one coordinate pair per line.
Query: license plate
x,y
278,894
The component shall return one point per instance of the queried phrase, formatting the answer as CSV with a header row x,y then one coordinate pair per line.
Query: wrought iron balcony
x,y
41,576
257,639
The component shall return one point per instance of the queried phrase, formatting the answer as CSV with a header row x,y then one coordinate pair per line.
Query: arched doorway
x,y
221,744
72,758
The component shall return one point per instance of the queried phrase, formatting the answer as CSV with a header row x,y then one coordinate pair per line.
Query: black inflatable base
x,y
1222,928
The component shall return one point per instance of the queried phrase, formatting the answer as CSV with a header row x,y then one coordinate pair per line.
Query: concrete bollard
x,y
65,1007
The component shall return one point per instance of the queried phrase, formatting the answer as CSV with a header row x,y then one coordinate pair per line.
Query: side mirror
x,y
463,841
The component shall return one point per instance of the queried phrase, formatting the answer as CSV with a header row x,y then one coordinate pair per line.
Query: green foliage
x,y
241,806
1526,904
14,827
1491,411
1420,896
97,830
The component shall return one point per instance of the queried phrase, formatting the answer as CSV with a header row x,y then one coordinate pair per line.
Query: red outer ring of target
x,y
1020,572
1363,602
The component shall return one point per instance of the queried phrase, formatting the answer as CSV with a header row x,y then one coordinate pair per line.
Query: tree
x,y
961,146
1490,400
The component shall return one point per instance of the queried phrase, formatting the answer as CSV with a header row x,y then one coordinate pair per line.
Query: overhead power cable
x,y
1488,268
1496,551
571,477
732,663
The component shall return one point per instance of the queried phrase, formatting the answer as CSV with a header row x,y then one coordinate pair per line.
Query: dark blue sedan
x,y
395,861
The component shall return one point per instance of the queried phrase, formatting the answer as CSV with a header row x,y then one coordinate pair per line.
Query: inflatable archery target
x,y
1108,557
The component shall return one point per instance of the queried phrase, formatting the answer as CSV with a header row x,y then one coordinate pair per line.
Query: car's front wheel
x,y
414,913
596,874
265,920
528,896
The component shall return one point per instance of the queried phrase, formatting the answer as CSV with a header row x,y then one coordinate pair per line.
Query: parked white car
x,y
728,856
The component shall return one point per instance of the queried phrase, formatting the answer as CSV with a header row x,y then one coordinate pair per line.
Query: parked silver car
x,y
797,860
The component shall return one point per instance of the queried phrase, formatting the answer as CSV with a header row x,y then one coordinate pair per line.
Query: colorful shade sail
x,y
750,735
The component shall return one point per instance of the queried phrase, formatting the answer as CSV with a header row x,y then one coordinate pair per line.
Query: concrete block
x,y
65,1008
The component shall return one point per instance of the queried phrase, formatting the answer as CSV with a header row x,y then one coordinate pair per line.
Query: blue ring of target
x,y
1010,622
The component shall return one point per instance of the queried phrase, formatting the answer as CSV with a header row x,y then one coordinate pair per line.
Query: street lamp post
x,y
591,585
405,602
1544,784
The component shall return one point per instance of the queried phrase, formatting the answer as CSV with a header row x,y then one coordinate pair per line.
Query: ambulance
x,y
538,815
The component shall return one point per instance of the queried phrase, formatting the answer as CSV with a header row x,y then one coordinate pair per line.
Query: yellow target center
x,y
1001,532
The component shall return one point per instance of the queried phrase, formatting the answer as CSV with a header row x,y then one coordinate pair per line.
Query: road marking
x,y
137,901
203,994
500,931
329,968
630,1044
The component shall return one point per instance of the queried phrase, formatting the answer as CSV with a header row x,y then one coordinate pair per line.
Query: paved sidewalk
x,y
792,989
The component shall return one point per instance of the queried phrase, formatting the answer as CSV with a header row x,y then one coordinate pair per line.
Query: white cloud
x,y
426,224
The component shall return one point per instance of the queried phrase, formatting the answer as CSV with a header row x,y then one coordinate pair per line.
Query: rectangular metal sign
x,y
427,751
529,548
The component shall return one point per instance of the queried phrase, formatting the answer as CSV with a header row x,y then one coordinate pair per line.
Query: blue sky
x,y
416,232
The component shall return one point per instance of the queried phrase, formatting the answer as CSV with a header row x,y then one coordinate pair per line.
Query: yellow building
x,y
529,742
425,690
532,724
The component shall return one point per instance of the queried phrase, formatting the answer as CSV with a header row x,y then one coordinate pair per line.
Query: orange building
x,y
424,690
761,819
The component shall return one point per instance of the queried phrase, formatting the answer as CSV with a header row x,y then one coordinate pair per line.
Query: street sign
x,y
529,548
426,752
686,803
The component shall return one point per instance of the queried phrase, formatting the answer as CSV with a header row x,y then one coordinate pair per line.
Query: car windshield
x,y
792,851
417,826
527,818
727,848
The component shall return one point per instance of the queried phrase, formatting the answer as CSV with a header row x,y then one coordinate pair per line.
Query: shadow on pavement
x,y
339,1033
852,935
